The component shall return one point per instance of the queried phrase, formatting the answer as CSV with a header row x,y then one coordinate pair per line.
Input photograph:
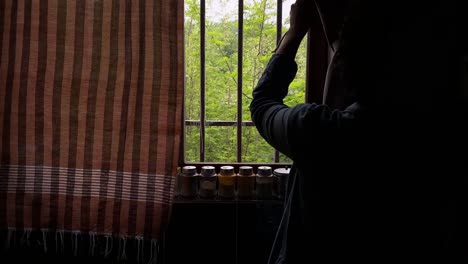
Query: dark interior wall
x,y
221,232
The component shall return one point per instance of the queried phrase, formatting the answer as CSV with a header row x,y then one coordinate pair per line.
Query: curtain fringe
x,y
77,243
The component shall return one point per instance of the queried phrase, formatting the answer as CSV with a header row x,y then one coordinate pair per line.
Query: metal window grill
x,y
239,123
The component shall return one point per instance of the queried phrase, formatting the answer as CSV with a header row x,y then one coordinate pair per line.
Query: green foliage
x,y
221,86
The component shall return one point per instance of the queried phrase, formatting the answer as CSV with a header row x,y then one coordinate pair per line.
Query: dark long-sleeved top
x,y
291,130
363,186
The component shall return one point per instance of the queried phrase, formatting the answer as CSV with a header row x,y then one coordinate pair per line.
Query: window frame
x,y
317,52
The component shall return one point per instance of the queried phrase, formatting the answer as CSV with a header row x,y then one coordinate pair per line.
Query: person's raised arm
x,y
300,16
291,130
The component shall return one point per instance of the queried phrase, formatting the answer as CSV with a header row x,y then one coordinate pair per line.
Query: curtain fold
x,y
90,114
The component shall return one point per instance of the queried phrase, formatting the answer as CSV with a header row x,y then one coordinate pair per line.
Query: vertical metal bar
x,y
183,135
183,143
202,80
240,56
279,20
239,79
279,33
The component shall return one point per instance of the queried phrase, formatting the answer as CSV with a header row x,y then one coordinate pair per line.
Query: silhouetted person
x,y
379,171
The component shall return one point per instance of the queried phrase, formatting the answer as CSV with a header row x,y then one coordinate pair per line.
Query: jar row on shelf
x,y
266,184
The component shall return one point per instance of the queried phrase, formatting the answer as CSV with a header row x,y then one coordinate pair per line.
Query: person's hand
x,y
301,14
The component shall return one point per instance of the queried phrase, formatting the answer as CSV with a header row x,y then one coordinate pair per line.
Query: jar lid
x,y
227,169
264,171
208,171
282,171
245,170
189,170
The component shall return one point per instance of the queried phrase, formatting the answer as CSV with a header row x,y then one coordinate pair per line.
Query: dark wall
x,y
222,232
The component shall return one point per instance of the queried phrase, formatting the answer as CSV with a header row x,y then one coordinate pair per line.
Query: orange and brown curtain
x,y
90,115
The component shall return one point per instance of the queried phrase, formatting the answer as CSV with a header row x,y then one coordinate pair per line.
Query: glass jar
x,y
207,182
264,180
280,182
188,184
246,183
227,183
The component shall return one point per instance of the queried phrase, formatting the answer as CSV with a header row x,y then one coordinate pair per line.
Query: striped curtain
x,y
90,115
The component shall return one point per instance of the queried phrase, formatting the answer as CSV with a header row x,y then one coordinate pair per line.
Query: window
x,y
227,46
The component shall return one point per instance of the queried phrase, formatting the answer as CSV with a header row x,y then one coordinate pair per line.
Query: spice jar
x,y
246,182
280,182
188,188
227,183
208,182
264,182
